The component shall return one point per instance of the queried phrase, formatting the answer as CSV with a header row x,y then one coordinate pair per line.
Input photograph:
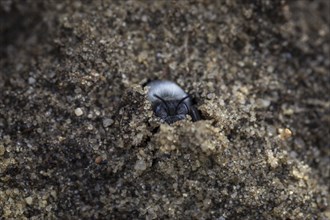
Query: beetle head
x,y
171,110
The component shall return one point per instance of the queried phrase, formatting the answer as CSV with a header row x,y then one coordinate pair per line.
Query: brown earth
x,y
78,139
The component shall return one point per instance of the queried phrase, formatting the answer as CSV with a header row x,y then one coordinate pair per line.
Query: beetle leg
x,y
193,112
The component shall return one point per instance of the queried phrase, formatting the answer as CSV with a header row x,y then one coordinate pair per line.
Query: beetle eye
x,y
182,109
160,111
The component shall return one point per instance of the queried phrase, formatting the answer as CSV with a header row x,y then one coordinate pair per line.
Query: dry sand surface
x,y
78,139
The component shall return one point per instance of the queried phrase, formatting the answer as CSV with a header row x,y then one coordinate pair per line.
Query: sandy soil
x,y
78,139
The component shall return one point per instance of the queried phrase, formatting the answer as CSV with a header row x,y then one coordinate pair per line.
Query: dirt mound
x,y
78,138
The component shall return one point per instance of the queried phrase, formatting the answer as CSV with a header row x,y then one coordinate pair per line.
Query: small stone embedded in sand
x,y
107,122
263,103
270,69
53,193
31,80
288,111
2,150
142,57
241,63
284,134
272,160
98,160
78,112
140,165
301,172
210,96
29,200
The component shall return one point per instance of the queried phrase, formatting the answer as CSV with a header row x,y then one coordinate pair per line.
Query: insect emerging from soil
x,y
170,102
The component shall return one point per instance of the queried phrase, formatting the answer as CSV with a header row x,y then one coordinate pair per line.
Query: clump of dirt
x,y
78,138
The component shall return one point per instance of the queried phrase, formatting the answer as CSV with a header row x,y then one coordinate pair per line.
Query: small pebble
x,y
107,122
263,103
284,133
31,80
98,160
241,64
78,112
29,200
270,69
140,165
